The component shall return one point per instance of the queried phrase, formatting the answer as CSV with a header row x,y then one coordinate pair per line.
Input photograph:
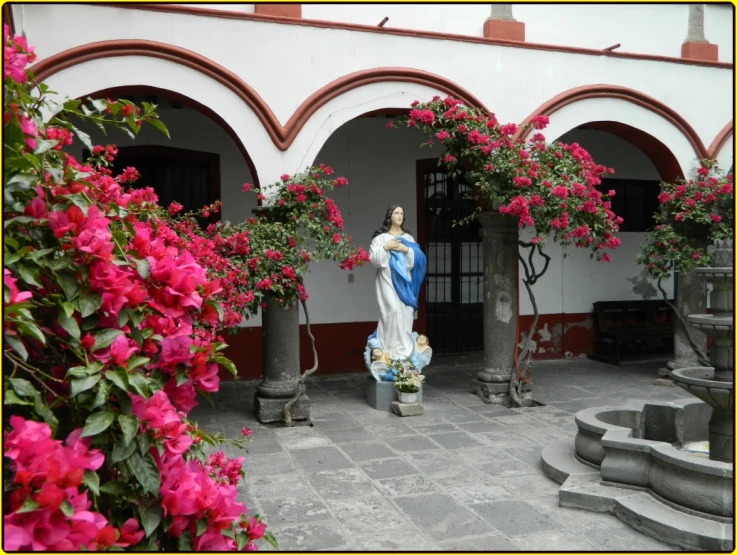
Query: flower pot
x,y
407,397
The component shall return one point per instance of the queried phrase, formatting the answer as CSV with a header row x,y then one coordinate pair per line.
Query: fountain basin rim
x,y
588,418
621,439
711,320
678,376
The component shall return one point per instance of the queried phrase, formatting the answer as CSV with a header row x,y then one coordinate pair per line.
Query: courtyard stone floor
x,y
464,476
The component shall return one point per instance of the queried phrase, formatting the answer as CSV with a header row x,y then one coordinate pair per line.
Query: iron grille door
x,y
454,292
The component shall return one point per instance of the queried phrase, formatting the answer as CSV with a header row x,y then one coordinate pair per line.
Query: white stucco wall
x,y
299,60
286,64
725,156
657,29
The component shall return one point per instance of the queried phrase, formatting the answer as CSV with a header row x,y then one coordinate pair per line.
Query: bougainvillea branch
x,y
552,188
692,214
111,327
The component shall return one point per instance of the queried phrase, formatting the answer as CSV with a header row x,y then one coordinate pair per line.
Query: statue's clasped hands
x,y
396,245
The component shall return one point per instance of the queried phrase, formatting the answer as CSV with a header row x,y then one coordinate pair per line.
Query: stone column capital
x,y
497,224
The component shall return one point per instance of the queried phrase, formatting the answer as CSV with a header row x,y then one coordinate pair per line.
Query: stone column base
x,y
498,393
492,393
272,410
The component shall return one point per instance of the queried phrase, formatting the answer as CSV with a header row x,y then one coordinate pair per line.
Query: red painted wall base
x,y
340,346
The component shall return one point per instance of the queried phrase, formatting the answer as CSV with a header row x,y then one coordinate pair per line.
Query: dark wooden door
x,y
188,177
454,283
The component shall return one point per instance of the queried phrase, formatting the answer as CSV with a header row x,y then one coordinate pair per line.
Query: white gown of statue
x,y
396,318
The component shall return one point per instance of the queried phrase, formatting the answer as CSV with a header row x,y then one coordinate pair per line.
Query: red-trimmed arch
x,y
145,90
660,155
719,141
622,93
282,136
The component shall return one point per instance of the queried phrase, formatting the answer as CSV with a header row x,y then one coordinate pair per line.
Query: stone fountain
x,y
715,386
634,460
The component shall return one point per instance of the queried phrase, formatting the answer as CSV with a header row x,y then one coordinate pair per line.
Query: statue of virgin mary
x,y
400,269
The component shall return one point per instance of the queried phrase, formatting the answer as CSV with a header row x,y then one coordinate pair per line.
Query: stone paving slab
x,y
462,476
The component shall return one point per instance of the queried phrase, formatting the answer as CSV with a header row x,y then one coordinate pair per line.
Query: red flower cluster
x,y
48,512
551,187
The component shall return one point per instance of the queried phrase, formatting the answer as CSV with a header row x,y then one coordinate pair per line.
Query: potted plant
x,y
408,380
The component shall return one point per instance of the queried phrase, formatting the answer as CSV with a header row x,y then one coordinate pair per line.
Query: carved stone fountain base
x,y
627,461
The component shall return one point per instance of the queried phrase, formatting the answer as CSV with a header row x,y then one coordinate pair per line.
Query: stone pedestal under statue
x,y
280,341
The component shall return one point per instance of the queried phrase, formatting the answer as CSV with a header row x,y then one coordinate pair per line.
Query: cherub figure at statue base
x,y
377,359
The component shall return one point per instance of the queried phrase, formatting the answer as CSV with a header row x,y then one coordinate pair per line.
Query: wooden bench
x,y
631,329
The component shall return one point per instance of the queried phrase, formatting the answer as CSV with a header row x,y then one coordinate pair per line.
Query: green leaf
x,y
227,532
17,345
77,200
150,515
29,274
89,302
129,425
24,388
44,145
139,384
144,268
79,371
241,541
28,506
122,318
68,308
97,422
92,481
201,527
116,487
135,362
121,451
144,443
158,124
69,324
99,104
227,363
136,316
44,412
185,542
79,385
12,399
103,394
69,283
181,376
145,471
269,537
84,137
104,339
32,330
91,322
119,377
67,509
